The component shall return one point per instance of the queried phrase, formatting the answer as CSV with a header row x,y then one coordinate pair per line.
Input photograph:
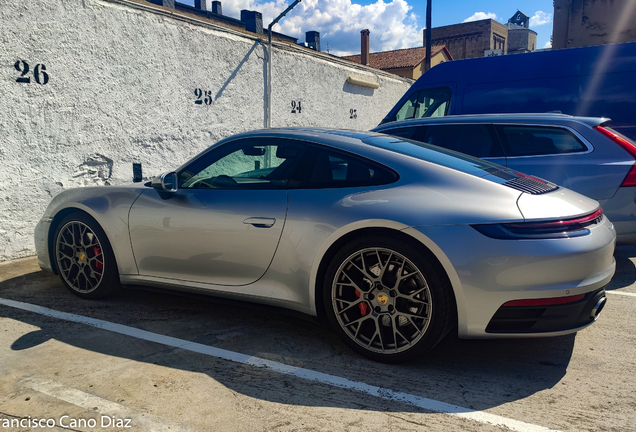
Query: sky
x,y
393,24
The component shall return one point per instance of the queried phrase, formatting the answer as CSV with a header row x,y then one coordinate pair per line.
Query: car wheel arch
x,y
57,219
403,234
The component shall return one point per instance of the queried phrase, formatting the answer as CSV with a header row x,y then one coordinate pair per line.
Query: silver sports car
x,y
394,242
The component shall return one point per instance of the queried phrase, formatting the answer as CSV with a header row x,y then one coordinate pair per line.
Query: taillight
x,y
545,301
628,146
561,228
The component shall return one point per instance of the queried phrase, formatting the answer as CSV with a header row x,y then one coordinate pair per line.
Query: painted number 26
x,y
41,77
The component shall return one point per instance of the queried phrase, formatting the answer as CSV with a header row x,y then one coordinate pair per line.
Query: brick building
x,y
580,23
471,39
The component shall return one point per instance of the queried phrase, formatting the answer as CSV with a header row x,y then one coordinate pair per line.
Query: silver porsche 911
x,y
394,242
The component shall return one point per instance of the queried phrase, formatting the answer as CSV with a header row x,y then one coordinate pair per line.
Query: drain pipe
x,y
269,62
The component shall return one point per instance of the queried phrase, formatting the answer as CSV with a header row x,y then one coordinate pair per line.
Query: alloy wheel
x,y
80,257
381,300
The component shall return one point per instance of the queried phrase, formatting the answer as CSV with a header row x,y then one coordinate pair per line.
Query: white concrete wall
x,y
121,85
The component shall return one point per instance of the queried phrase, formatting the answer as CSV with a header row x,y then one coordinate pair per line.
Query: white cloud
x,y
540,18
392,24
548,44
480,16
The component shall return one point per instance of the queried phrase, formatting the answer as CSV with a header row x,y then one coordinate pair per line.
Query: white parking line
x,y
621,293
111,413
344,383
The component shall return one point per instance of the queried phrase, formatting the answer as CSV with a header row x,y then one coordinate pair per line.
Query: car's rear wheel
x,y
84,258
388,300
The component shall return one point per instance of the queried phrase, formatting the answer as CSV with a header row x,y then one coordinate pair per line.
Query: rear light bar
x,y
545,301
562,228
628,146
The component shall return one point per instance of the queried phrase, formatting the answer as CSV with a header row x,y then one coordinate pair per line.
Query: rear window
x,y
402,132
539,140
472,139
438,155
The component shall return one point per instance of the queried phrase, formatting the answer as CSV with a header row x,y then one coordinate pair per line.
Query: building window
x,y
498,41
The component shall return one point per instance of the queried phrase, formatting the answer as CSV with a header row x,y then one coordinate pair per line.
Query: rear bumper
x,y
548,319
486,273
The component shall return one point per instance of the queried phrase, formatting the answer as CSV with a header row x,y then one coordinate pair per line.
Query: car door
x,y
223,224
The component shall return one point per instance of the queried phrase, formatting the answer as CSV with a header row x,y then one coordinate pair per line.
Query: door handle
x,y
260,222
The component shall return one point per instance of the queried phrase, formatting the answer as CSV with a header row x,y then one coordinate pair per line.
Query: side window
x,y
249,165
332,169
402,132
474,140
539,140
432,102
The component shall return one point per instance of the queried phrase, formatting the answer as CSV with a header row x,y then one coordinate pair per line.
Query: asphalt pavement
x,y
150,361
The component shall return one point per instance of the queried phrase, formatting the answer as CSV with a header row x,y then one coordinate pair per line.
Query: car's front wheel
x,y
387,299
84,258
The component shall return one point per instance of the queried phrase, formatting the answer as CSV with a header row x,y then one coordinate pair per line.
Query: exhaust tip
x,y
598,307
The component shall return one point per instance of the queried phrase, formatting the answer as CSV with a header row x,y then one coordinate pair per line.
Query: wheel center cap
x,y
383,298
81,256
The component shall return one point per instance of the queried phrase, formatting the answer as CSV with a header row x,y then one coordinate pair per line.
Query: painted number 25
x,y
39,73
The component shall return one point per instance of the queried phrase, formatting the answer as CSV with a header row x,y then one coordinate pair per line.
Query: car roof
x,y
348,140
384,149
341,138
543,118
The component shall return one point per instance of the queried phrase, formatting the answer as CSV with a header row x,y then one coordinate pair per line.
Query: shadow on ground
x,y
625,269
477,374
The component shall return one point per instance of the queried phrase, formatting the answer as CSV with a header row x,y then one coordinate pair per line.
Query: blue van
x,y
597,81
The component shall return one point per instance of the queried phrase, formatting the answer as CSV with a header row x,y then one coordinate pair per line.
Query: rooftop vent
x,y
164,3
312,38
253,21
204,5
216,8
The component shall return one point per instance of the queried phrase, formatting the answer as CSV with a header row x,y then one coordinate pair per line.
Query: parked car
x,y
579,153
394,243
596,81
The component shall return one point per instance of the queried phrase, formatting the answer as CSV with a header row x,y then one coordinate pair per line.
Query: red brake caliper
x,y
364,307
98,264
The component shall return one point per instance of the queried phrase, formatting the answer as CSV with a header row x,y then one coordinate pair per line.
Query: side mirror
x,y
166,183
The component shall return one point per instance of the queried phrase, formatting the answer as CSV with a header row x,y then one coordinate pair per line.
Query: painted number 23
x,y
203,96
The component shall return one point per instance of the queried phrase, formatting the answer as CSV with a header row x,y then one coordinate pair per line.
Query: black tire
x,y
381,316
84,258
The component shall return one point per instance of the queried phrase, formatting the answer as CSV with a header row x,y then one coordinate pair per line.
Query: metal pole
x,y
427,65
269,61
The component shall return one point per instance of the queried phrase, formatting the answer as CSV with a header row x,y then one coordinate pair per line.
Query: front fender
x,y
109,206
